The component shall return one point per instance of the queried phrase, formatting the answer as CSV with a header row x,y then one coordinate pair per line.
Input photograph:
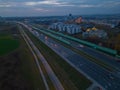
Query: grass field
x,y
7,44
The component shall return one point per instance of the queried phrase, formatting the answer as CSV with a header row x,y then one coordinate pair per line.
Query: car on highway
x,y
80,45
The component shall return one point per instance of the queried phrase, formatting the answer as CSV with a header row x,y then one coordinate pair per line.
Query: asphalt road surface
x,y
106,79
112,61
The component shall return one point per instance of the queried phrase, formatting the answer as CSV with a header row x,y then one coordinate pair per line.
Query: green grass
x,y
70,78
7,44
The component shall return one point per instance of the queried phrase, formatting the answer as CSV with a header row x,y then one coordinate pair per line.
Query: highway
x,y
93,52
57,84
106,79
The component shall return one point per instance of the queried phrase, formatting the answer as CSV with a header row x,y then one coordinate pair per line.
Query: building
x,y
94,33
67,28
78,20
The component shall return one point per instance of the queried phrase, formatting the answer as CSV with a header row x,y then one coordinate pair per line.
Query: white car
x,y
81,45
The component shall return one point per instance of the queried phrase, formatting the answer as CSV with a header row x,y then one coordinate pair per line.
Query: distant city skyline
x,y
58,7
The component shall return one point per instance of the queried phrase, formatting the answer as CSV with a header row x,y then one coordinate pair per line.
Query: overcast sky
x,y
58,7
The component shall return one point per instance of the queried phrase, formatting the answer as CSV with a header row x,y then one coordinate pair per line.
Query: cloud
x,y
58,3
41,10
5,6
111,4
34,7
88,6
66,5
46,2
106,4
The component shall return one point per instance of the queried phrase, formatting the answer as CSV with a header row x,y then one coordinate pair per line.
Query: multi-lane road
x,y
106,79
112,61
